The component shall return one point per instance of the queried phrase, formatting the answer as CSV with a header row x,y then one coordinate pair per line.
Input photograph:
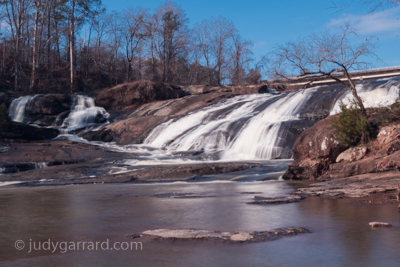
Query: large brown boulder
x,y
133,93
50,104
313,151
318,142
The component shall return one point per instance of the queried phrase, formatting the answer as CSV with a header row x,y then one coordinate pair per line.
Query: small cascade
x,y
374,94
17,108
84,113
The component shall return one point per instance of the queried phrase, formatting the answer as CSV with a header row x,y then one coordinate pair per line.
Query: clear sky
x,y
270,22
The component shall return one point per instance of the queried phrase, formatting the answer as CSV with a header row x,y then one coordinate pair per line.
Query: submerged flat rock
x,y
231,237
180,195
275,200
379,224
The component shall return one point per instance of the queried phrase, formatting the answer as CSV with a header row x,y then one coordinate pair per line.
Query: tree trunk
x,y
34,47
16,78
48,37
355,94
72,46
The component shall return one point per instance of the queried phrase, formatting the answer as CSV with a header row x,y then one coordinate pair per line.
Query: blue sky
x,y
269,22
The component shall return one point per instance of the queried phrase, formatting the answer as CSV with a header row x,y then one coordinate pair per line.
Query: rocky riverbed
x,y
67,162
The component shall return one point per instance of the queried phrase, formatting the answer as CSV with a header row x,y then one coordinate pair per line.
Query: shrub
x,y
5,121
352,127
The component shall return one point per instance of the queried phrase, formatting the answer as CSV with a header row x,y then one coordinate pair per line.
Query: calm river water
x,y
340,234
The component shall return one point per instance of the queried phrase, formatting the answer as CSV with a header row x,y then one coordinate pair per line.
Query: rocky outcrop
x,y
134,93
29,132
313,151
318,156
51,104
43,110
352,154
134,127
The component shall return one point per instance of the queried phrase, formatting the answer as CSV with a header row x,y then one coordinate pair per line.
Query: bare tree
x,y
212,40
202,46
38,5
221,30
171,36
17,14
324,55
133,31
240,57
372,5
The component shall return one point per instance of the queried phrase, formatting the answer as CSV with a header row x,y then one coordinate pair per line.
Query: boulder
x,y
103,136
50,104
42,110
307,169
352,154
318,142
389,149
313,151
388,134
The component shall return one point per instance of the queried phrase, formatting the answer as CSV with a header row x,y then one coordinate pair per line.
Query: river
x,y
340,234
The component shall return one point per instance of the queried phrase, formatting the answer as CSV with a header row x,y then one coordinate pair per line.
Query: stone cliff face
x,y
318,156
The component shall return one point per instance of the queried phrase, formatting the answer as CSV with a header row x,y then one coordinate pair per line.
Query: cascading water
x,y
262,126
260,139
243,127
17,108
247,127
379,93
83,114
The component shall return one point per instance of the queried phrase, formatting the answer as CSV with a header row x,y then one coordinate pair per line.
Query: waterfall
x,y
260,139
243,127
262,126
84,113
374,94
17,108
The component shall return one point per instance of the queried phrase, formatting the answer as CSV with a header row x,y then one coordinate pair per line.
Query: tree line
x,y
78,45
